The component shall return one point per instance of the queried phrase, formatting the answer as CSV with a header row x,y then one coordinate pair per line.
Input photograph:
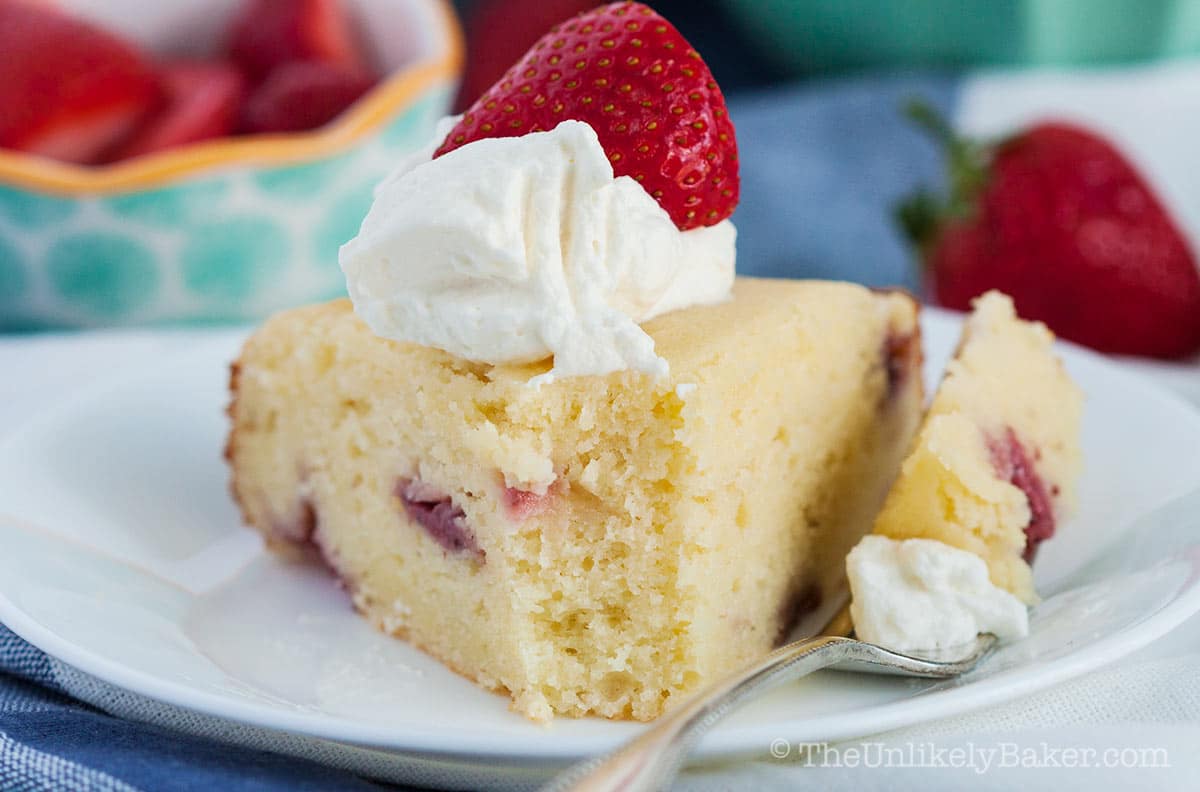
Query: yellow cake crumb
x,y
618,541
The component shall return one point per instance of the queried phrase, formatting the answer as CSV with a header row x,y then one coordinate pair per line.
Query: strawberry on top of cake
x,y
652,102
586,192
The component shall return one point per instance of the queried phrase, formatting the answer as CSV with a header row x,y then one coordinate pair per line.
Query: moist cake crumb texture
x,y
598,545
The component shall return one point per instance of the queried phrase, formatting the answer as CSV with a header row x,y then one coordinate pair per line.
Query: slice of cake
x,y
995,462
599,544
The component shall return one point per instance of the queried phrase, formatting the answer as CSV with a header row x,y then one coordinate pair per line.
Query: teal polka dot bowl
x,y
223,231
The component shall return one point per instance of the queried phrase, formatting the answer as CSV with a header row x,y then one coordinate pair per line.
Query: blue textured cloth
x,y
51,742
822,170
822,167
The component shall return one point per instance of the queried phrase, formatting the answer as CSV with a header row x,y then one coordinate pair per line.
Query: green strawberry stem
x,y
967,161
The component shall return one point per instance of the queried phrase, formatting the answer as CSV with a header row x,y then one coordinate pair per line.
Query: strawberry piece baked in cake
x,y
995,463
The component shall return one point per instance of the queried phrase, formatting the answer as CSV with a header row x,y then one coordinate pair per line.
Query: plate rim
x,y
563,748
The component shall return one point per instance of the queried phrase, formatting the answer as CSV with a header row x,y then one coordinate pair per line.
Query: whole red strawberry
x,y
1056,217
652,101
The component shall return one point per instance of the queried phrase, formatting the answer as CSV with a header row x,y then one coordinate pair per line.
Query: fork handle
x,y
652,760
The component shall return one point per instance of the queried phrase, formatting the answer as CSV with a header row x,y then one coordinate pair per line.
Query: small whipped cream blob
x,y
512,250
924,594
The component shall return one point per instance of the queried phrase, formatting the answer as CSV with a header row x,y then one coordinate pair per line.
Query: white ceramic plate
x,y
121,554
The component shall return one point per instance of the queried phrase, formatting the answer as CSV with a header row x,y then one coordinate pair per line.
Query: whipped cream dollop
x,y
512,250
924,594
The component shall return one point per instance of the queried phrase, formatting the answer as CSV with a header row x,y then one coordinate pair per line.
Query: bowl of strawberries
x,y
201,160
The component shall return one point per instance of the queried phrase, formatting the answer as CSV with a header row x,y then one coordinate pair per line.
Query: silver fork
x,y
652,759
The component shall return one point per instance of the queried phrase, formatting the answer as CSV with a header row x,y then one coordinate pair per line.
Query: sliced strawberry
x,y
67,90
269,33
654,104
303,95
202,102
